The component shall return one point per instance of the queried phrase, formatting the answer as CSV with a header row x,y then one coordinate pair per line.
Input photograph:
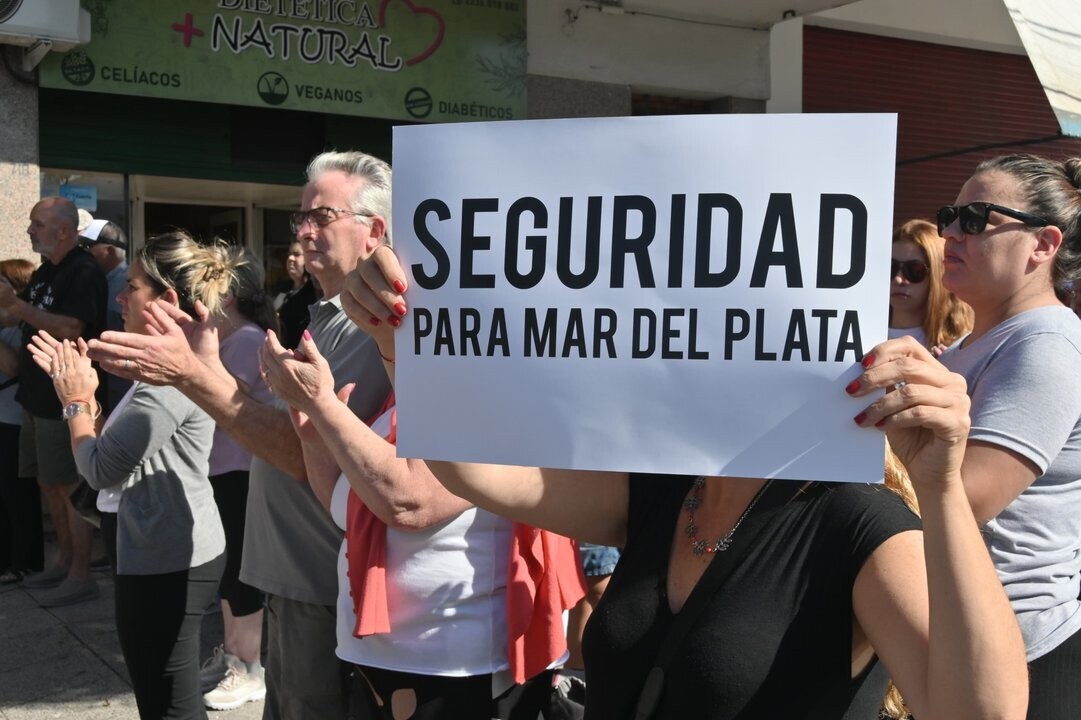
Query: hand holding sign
x,y
925,412
372,297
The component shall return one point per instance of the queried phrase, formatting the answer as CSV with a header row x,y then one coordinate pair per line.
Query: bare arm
x,y
994,477
61,327
402,493
173,357
932,606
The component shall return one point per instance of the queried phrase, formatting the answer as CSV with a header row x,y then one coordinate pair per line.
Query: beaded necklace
x,y
694,501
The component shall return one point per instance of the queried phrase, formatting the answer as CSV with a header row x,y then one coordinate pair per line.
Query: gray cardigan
x,y
156,450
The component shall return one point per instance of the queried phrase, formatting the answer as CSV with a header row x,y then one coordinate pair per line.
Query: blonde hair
x,y
897,480
175,261
946,317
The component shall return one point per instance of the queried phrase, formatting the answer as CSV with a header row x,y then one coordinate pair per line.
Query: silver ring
x,y
55,375
899,385
127,364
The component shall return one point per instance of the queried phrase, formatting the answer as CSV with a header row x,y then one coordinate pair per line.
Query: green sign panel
x,y
434,61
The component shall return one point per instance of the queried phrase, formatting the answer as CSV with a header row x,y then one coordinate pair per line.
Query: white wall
x,y
649,54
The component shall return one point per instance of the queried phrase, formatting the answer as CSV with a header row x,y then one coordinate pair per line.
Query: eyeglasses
x,y
915,271
319,216
974,217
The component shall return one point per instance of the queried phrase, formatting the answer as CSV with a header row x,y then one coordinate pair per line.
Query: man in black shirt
x,y
66,297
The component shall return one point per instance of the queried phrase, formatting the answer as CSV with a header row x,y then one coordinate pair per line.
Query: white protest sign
x,y
664,294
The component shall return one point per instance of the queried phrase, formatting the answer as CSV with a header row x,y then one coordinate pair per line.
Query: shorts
x,y
231,497
598,559
45,451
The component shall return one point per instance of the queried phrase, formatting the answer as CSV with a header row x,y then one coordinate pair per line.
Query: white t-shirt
x,y
446,594
916,332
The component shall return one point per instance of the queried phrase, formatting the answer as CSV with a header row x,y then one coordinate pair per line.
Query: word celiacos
x,y
778,223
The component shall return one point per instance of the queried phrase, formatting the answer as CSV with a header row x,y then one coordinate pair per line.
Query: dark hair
x,y
1051,190
249,290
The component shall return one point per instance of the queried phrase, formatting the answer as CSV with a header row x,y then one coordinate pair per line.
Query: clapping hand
x,y
67,364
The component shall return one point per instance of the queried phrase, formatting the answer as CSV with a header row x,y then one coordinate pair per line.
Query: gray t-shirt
x,y
156,451
1024,377
290,541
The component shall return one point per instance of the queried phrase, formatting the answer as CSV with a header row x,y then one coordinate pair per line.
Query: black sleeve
x,y
869,515
83,297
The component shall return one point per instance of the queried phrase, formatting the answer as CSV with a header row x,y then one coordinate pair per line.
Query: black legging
x,y
158,621
20,499
1055,683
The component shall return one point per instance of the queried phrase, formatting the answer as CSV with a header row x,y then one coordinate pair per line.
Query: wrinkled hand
x,y
67,364
164,356
925,411
300,377
373,297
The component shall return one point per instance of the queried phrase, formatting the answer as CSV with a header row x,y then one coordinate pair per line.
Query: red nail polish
x,y
399,308
880,423
860,418
307,335
868,360
852,386
394,322
374,320
399,287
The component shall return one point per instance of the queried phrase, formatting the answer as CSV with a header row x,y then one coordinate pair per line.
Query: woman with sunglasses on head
x,y
154,449
919,304
1012,238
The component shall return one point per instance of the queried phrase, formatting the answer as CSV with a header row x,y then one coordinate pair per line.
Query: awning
x,y
1051,33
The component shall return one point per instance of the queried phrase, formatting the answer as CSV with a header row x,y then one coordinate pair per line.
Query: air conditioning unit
x,y
58,24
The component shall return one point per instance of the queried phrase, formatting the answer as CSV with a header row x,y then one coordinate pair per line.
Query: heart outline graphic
x,y
417,10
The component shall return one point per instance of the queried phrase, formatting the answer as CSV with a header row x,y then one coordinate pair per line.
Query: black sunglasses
x,y
320,216
974,217
915,271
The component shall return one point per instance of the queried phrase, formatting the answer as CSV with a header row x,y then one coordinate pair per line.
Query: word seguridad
x,y
778,223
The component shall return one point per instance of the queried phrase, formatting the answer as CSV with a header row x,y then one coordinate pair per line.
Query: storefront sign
x,y
678,294
439,61
84,196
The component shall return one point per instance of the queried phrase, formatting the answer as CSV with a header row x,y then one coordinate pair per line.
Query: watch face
x,y
73,409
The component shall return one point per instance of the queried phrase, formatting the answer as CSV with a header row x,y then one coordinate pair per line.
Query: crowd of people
x,y
244,446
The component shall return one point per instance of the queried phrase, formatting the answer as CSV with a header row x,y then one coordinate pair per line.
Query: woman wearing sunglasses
x,y
919,304
1013,237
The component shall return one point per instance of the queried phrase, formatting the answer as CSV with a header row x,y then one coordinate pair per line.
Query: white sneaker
x,y
213,670
238,687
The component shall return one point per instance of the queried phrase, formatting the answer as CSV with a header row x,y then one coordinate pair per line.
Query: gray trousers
x,y
304,677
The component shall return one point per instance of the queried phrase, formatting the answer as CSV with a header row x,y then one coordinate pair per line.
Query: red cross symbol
x,y
188,28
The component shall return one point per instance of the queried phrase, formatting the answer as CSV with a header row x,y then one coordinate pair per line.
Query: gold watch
x,y
76,407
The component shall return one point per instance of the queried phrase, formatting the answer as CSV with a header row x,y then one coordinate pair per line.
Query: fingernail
x,y
394,322
374,320
880,423
852,386
868,360
307,335
399,308
399,286
860,418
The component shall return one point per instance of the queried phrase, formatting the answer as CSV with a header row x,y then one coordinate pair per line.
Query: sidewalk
x,y
66,662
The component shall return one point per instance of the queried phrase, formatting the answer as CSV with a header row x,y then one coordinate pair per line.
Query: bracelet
x,y
385,358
